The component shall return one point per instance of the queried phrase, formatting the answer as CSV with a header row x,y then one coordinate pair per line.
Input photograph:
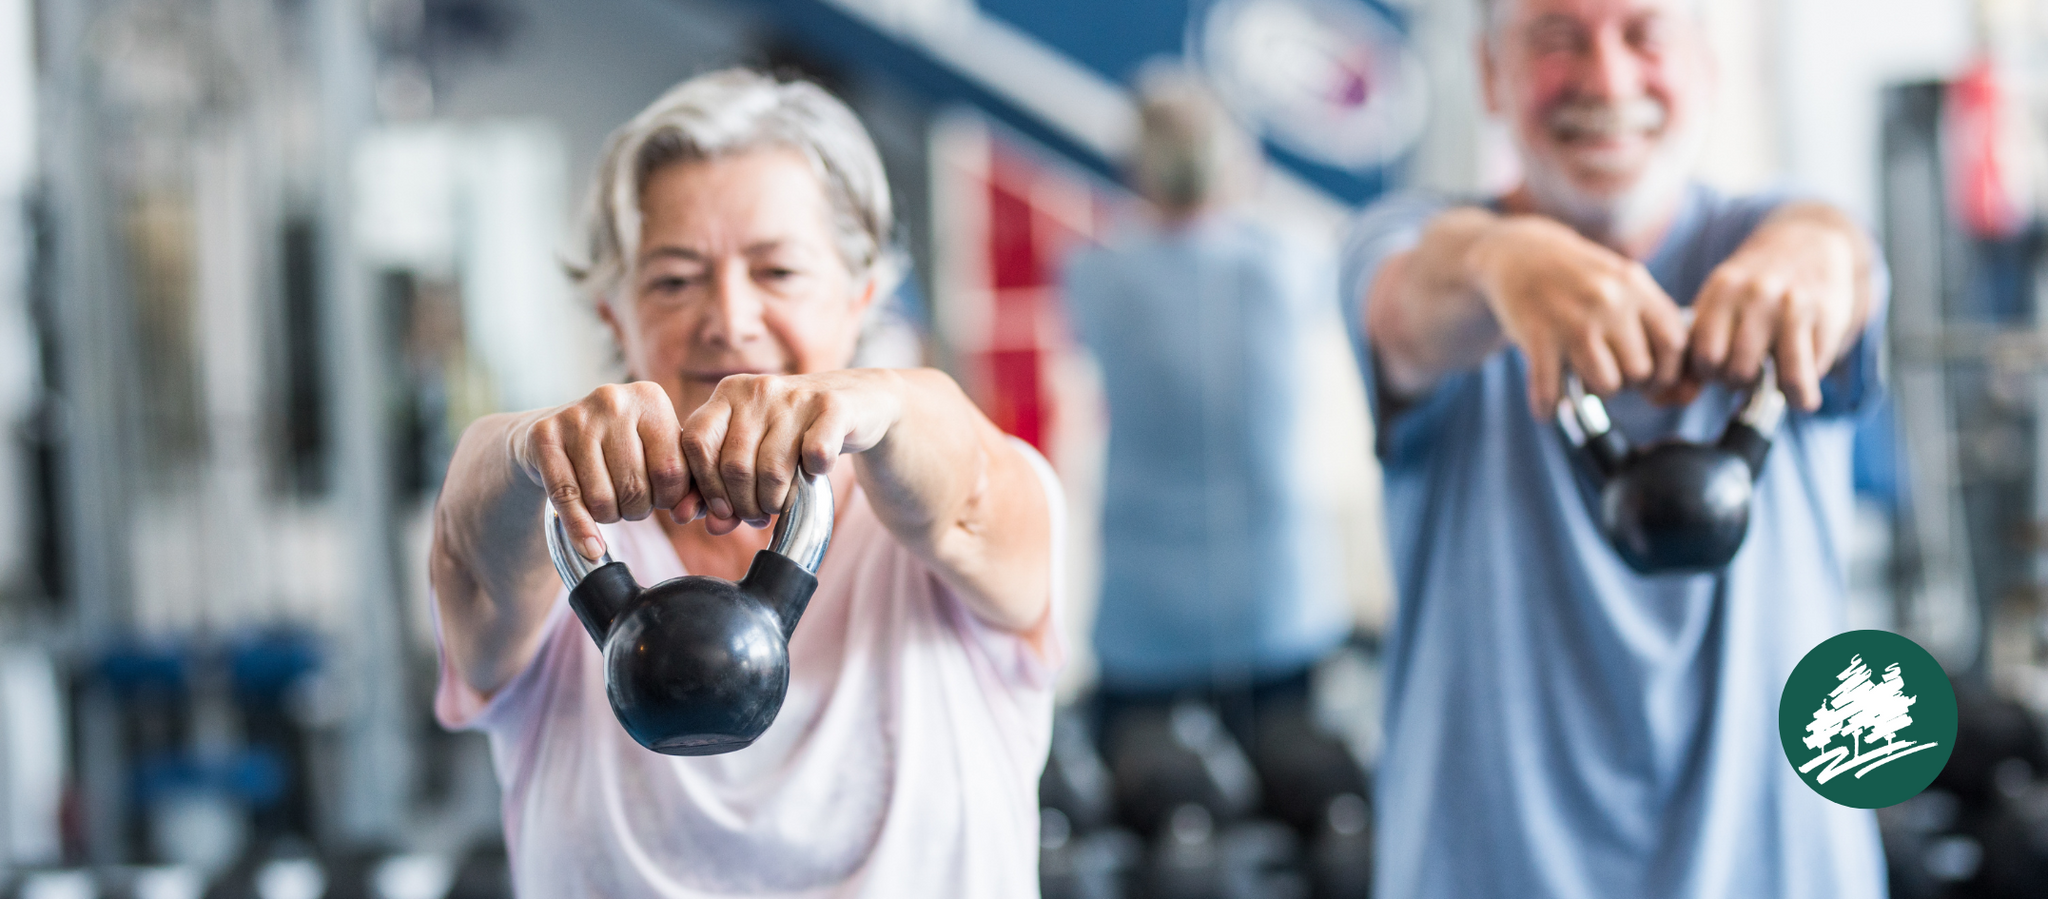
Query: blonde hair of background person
x,y
1189,155
737,234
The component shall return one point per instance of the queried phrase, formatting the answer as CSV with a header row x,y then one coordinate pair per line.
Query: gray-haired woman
x,y
738,231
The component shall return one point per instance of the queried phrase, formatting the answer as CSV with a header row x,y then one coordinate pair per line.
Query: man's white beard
x,y
1637,209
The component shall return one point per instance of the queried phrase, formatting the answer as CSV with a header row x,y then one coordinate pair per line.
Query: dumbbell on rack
x,y
1192,858
1313,783
1163,759
1981,831
1082,855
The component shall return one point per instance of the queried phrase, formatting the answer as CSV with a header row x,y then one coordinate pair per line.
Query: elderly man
x,y
1558,724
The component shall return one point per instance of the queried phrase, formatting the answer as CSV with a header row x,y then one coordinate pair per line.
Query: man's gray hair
x,y
1487,10
1490,12
721,114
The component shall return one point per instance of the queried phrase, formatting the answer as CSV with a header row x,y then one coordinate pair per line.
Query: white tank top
x,y
904,762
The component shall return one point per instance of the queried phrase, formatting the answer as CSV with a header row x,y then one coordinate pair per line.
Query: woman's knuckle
x,y
565,493
630,491
545,432
668,473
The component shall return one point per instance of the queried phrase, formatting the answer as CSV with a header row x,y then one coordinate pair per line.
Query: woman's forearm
x,y
949,485
489,565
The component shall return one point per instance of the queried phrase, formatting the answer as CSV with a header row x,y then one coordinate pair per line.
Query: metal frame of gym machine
x,y
1970,387
95,352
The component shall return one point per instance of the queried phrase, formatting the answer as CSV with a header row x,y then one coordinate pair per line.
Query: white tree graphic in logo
x,y
1866,712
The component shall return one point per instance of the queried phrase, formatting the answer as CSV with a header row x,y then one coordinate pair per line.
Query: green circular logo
x,y
1868,719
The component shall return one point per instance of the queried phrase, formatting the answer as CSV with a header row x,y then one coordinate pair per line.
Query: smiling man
x,y
1558,724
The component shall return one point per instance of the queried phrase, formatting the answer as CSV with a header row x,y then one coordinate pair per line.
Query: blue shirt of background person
x,y
1212,561
1556,724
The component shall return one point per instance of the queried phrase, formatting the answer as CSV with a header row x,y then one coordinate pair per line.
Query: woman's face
x,y
737,273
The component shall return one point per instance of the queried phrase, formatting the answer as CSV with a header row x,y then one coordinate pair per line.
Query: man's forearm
x,y
1425,317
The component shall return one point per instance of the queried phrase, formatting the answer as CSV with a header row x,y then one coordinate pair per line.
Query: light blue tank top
x,y
1212,567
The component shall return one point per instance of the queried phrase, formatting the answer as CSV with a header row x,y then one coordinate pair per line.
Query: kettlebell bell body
x,y
699,665
1674,506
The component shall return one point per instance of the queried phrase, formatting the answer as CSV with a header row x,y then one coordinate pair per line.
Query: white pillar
x,y
376,757
19,362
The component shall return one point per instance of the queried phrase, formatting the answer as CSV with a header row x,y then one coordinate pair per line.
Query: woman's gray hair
x,y
725,113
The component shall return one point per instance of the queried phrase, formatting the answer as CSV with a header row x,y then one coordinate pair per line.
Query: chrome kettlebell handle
x,y
804,529
802,532
1584,411
1585,416
570,564
1765,407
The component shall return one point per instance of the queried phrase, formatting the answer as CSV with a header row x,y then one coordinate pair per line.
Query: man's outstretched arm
x,y
1477,281
1797,291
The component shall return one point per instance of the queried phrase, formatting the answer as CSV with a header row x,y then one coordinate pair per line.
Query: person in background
x,y
1217,581
1558,725
739,233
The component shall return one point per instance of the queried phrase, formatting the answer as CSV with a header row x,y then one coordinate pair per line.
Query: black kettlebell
x,y
1674,506
698,665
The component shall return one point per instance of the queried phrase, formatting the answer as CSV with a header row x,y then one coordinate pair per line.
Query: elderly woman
x,y
738,233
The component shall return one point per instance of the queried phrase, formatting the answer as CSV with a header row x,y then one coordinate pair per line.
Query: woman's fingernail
x,y
592,548
721,508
